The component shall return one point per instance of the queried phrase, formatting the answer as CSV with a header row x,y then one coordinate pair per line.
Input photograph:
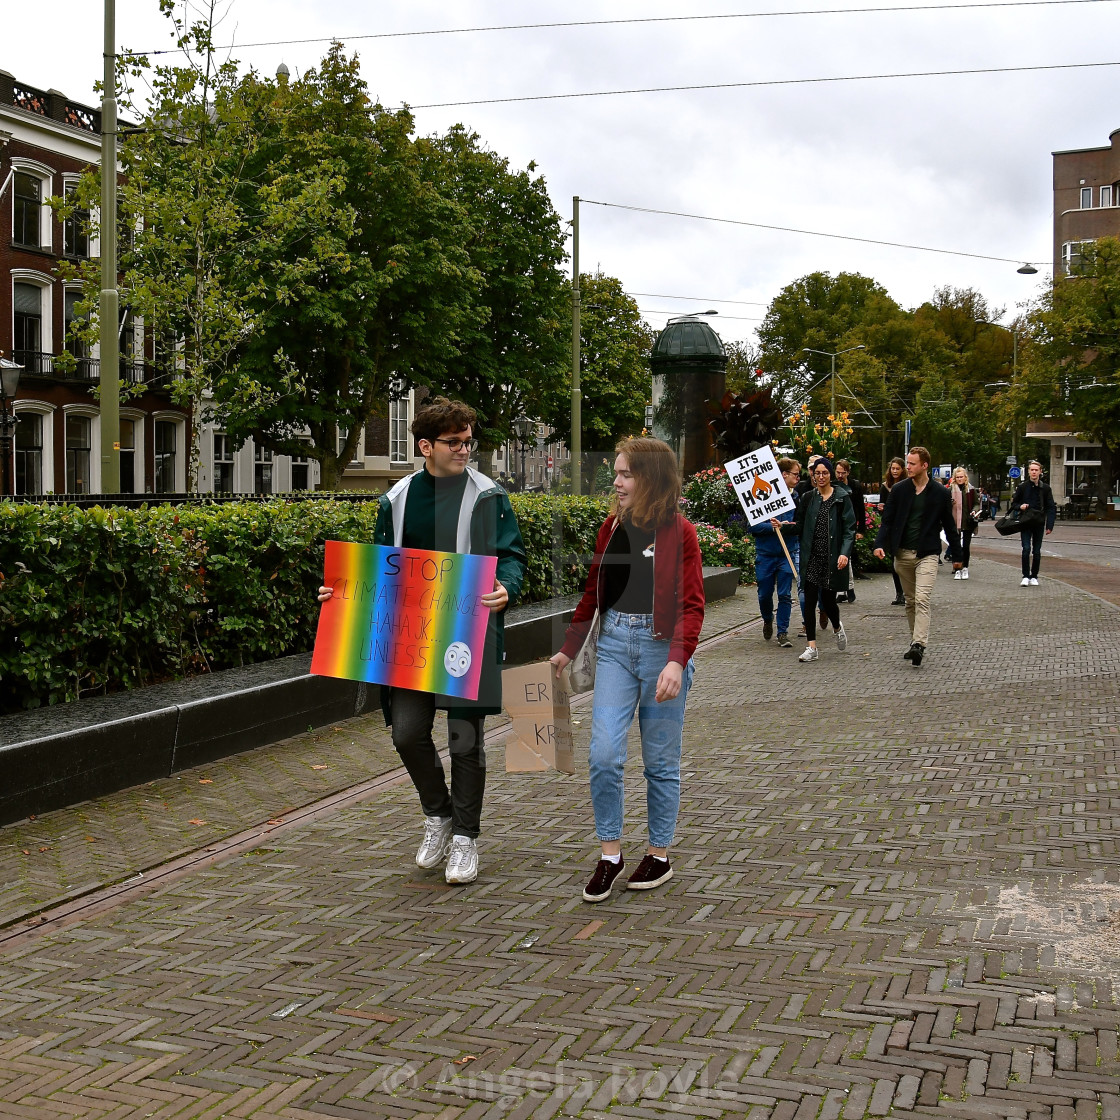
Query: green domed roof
x,y
687,339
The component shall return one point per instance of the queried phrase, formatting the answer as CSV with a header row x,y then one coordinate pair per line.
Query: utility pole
x,y
832,360
109,308
576,446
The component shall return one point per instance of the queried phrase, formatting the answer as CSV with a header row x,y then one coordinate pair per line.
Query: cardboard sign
x,y
762,491
404,617
539,706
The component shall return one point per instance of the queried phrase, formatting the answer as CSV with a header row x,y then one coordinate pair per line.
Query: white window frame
x,y
212,456
45,174
1070,251
46,411
45,282
291,462
263,456
69,180
180,450
400,447
94,418
1106,195
138,419
1074,460
1086,198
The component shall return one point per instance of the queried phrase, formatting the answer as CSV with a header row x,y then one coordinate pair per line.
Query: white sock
x,y
612,859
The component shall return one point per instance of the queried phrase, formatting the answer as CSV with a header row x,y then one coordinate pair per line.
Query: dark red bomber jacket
x,y
678,590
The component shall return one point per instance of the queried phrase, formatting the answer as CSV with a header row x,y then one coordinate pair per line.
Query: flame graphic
x,y
760,488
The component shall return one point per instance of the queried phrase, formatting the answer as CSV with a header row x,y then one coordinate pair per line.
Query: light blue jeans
x,y
629,662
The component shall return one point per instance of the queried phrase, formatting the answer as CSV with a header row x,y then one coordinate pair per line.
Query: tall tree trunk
x,y
485,461
1109,468
329,473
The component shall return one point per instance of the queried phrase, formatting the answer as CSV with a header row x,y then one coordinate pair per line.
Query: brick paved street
x,y
896,893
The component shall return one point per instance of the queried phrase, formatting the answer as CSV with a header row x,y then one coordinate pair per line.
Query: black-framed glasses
x,y
454,445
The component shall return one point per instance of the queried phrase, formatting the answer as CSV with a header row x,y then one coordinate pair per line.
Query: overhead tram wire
x,y
980,4
806,232
765,83
701,299
743,318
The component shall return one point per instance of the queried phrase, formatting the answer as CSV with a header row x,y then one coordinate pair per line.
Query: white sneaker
x,y
841,639
462,863
1034,583
437,839
957,575
964,573
1025,582
810,654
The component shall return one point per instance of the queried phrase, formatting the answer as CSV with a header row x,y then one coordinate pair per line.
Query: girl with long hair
x,y
896,470
966,514
647,583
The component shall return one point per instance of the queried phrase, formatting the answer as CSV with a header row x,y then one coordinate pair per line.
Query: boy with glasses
x,y
449,507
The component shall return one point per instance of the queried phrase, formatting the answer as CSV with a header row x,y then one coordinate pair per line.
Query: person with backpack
x,y
1032,494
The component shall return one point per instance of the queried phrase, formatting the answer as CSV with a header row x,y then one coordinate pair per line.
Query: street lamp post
x,y
1014,375
9,383
832,357
523,429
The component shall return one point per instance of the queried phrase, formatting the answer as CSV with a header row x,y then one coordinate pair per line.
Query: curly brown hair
x,y
443,415
657,495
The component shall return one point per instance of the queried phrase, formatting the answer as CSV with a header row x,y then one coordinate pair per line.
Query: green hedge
x,y
103,599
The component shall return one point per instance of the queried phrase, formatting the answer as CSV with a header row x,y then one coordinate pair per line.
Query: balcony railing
x,y
86,369
53,105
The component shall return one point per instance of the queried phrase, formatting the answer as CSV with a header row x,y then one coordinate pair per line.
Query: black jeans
x,y
826,597
966,546
1032,543
413,715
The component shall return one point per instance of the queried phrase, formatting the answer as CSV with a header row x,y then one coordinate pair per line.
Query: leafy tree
x,y
744,367
391,287
514,348
300,255
820,312
185,232
615,378
1072,365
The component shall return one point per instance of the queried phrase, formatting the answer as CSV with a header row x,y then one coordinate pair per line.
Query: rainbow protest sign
x,y
404,617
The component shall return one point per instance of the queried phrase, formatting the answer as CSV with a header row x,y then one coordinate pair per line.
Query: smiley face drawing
x,y
457,659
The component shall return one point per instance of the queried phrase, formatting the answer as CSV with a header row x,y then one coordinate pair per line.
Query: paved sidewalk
x,y
897,893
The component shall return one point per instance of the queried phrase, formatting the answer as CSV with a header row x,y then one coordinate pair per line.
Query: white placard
x,y
762,490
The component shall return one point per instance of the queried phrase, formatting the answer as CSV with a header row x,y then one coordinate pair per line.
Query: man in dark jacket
x,y
859,508
918,509
1033,493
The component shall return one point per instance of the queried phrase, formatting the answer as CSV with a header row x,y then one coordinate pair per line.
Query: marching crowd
x,y
639,618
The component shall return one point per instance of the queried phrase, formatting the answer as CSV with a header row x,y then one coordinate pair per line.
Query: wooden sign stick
x,y
782,542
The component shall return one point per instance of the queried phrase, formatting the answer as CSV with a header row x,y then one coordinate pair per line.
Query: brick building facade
x,y
46,141
1086,199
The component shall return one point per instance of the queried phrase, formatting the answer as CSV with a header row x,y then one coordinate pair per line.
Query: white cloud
x,y
948,162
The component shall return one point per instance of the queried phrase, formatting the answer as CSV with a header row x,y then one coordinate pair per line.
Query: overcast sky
x,y
957,162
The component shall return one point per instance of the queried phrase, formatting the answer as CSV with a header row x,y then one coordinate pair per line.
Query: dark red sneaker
x,y
650,873
599,886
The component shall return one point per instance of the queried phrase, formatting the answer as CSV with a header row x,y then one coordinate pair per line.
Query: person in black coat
x,y
896,472
859,508
917,511
1033,493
